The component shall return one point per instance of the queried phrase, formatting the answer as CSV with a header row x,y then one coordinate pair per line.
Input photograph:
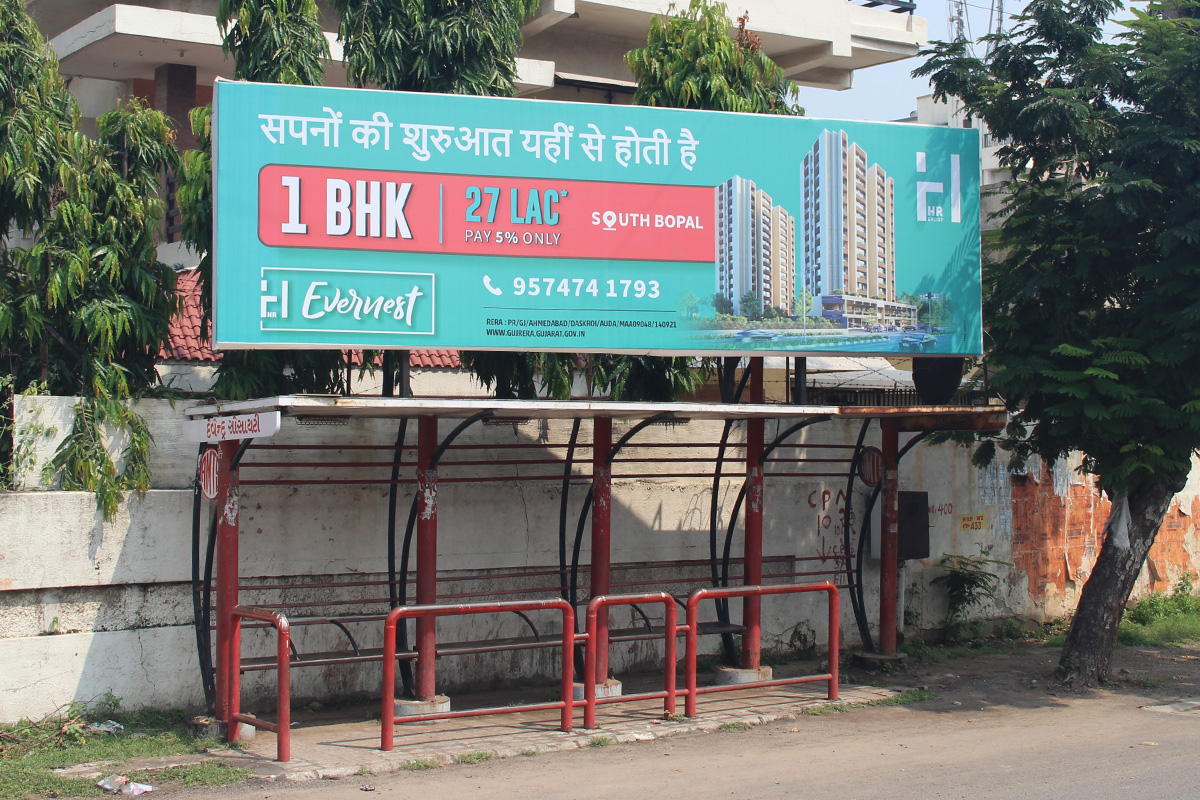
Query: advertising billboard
x,y
349,218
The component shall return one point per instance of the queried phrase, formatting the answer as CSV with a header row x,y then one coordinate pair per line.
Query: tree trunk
x,y
1132,525
727,377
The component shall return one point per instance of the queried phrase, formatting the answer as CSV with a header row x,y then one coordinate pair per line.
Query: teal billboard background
x,y
352,218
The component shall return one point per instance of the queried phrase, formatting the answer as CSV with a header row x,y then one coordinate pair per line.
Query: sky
x,y
889,92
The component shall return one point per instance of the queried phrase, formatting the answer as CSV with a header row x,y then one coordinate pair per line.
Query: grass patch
x,y
529,752
600,741
206,773
476,758
30,749
904,698
734,726
1178,629
939,653
1142,681
419,764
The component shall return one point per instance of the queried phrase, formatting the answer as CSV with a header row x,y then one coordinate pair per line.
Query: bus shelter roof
x,y
908,418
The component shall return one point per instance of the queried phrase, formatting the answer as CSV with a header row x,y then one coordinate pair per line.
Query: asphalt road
x,y
1095,747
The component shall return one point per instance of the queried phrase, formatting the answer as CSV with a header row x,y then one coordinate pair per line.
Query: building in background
x,y
756,247
848,236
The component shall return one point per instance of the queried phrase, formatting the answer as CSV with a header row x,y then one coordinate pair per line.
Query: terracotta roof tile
x,y
186,344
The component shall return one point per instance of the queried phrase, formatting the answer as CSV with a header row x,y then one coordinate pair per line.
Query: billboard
x,y
349,218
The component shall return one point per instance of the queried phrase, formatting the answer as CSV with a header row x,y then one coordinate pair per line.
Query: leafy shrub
x,y
1161,606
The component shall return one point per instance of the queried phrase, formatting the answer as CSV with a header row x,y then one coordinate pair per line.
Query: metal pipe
x,y
427,431
562,510
395,599
227,573
889,539
597,640
691,640
283,691
565,703
601,536
856,599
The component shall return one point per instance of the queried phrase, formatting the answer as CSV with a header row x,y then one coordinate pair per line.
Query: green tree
x,y
1092,305
690,61
749,306
804,304
722,304
442,46
272,41
84,300
451,48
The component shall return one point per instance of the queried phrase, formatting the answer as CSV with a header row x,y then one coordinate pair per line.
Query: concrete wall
x,y
88,606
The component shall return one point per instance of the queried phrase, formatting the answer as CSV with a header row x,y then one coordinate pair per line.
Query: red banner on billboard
x,y
478,215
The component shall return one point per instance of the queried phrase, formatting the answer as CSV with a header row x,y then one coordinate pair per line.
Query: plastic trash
x,y
108,726
112,783
134,789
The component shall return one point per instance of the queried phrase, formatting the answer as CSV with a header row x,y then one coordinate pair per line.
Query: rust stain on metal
x,y
229,513
754,496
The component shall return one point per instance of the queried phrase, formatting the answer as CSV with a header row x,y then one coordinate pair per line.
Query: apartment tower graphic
x,y
756,247
848,252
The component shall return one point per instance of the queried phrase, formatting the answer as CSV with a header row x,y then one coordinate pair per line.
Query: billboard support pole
x,y
889,539
601,542
427,434
752,605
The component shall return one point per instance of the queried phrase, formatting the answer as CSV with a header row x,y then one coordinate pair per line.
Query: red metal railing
x,y
670,632
283,725
429,612
692,691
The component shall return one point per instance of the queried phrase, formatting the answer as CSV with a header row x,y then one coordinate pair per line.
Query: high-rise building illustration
x,y
756,246
848,251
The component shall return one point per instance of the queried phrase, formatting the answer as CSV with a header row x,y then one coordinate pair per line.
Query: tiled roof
x,y
186,344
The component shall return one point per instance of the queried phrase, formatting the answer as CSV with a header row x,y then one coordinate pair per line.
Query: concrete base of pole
x,y
610,688
731,676
411,708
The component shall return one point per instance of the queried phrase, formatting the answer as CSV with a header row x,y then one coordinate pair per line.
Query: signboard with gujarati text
x,y
368,219
229,428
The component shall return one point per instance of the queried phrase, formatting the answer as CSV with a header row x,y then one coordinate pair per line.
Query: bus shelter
x,y
235,438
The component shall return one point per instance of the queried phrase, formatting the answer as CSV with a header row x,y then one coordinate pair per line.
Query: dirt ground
x,y
1000,727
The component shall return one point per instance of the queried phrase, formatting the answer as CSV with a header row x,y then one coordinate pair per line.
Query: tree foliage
x,y
1092,305
84,300
274,41
445,46
1093,302
690,61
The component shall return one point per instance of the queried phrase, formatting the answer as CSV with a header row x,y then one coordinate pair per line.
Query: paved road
x,y
1093,748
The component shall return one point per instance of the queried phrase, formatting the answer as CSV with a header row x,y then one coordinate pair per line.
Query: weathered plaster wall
x,y
88,606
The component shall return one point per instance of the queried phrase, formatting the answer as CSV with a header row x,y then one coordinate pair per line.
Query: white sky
x,y
889,92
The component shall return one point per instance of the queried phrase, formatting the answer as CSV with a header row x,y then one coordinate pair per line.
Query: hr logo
x,y
927,209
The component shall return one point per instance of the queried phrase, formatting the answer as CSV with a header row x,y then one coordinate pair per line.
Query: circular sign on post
x,y
870,465
208,473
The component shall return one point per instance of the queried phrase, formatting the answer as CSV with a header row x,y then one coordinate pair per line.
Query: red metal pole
x,y
388,712
690,641
589,665
601,543
227,579
427,434
671,629
835,635
283,741
752,606
889,539
567,689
